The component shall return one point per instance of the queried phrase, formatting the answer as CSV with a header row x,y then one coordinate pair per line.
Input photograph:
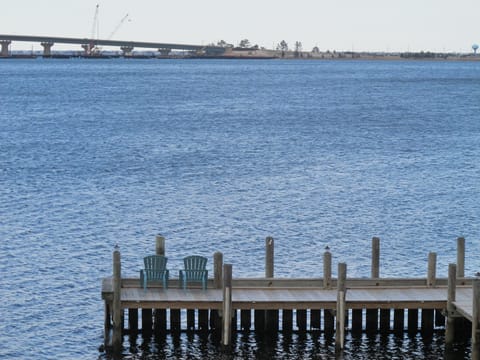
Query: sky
x,y
341,25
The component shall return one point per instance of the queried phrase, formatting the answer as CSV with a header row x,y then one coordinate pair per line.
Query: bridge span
x,y
89,45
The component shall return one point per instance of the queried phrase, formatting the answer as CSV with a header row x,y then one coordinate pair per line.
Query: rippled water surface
x,y
217,155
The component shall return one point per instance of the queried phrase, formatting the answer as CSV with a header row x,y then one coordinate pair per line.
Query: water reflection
x,y
293,345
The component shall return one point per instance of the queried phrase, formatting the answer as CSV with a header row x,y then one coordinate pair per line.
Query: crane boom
x,y
95,25
117,27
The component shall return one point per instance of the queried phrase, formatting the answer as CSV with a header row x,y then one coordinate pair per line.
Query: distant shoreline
x,y
255,54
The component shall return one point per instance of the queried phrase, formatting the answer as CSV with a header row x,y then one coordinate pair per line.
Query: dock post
x,y
375,257
327,269
450,329
432,269
160,245
227,305
460,257
217,269
271,316
215,320
476,319
341,306
269,257
117,309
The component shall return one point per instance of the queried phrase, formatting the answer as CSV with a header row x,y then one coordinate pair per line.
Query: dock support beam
x,y
341,306
5,44
227,305
117,310
47,48
452,281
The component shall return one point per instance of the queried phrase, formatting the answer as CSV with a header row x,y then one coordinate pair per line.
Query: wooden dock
x,y
316,304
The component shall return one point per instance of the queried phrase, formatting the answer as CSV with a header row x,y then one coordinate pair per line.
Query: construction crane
x,y
92,49
118,27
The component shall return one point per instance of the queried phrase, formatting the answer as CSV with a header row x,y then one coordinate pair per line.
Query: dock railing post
x,y
432,269
460,257
227,305
117,315
327,269
375,257
341,292
451,295
160,245
217,270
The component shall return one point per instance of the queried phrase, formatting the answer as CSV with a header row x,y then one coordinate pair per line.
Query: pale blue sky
x,y
371,25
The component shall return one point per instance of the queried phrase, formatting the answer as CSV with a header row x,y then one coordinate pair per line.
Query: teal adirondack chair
x,y
155,271
195,271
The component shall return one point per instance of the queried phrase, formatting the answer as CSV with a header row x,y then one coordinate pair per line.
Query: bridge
x,y
90,46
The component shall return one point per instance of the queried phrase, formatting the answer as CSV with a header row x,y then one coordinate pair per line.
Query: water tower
x,y
475,48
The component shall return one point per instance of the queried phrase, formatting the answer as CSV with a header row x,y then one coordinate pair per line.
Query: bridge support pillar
x,y
47,48
89,49
127,50
164,52
5,44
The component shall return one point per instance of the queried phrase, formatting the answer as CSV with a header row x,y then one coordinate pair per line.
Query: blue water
x,y
217,155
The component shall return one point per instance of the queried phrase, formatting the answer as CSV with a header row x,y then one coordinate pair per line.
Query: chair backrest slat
x,y
155,263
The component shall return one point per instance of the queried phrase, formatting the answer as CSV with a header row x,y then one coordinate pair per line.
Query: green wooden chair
x,y
155,271
195,271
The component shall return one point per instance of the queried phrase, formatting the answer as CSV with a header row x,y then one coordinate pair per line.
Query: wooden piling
x,y
439,318
315,319
203,320
175,321
398,321
147,321
432,269
133,320
301,315
160,321
412,319
327,269
460,257
271,316
107,324
287,320
328,322
217,270
375,257
450,329
476,319
160,245
341,306
259,320
371,320
427,322
227,305
190,319
245,319
269,257
271,320
357,317
385,320
116,305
